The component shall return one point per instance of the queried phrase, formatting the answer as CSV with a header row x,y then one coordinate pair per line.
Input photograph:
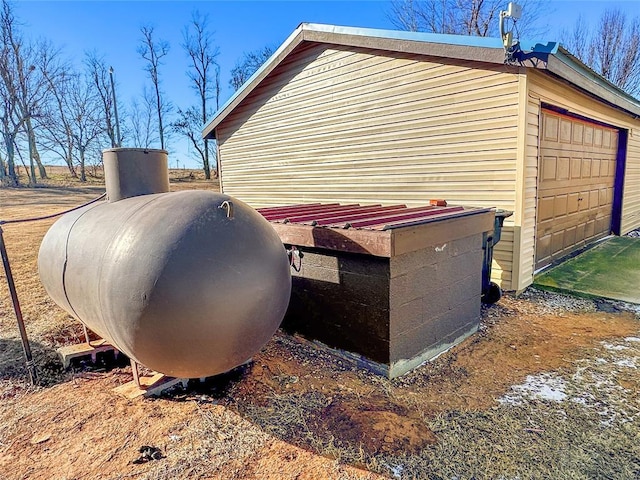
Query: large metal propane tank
x,y
190,284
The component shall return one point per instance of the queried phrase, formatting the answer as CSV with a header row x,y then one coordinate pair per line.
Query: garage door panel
x,y
575,188
557,242
603,223
543,247
563,167
545,209
569,238
551,129
580,233
604,168
573,202
578,133
588,135
576,163
560,206
584,200
565,130
549,164
604,197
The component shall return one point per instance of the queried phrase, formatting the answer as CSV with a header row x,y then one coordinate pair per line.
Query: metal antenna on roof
x,y
514,11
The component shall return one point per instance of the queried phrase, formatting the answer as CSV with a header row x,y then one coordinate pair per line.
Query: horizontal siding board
x,y
405,166
445,137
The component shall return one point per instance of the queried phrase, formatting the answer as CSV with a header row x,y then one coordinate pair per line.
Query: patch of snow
x,y
632,339
539,387
396,470
627,362
615,348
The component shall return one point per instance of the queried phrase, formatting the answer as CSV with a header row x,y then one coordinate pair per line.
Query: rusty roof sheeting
x,y
367,217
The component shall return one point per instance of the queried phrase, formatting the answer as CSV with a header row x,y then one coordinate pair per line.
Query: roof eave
x,y
566,66
433,49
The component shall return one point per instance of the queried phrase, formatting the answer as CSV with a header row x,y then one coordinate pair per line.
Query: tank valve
x,y
292,253
228,206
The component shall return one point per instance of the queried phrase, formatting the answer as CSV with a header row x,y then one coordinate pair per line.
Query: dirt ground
x,y
546,389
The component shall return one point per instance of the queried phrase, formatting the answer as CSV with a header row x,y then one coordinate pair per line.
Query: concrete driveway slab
x,y
608,270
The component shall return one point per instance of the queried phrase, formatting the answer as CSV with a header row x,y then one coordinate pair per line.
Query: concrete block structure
x,y
392,298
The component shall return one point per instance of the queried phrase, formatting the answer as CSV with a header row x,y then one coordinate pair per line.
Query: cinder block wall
x,y
396,312
342,300
434,300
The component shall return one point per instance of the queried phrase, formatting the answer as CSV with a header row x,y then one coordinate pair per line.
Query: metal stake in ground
x,y
31,367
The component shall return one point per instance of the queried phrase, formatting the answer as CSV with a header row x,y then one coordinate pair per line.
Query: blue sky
x,y
112,28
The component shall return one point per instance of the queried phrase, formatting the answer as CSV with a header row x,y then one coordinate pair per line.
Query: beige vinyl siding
x,y
631,205
527,252
524,217
543,88
333,124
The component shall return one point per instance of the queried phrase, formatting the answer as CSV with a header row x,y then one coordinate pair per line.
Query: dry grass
x,y
297,411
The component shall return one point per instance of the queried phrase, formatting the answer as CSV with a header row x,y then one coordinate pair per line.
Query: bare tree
x,y
461,17
74,124
153,51
85,112
612,48
23,73
10,130
99,74
189,124
55,125
248,65
204,73
140,120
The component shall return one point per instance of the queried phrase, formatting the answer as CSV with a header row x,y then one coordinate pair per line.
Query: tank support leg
x,y
136,373
26,347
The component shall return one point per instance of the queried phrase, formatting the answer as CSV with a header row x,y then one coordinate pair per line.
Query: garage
x,y
363,116
576,185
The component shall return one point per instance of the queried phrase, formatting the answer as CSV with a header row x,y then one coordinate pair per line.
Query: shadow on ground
x,y
48,364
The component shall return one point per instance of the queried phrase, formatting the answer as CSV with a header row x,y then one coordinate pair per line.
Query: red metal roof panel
x,y
370,217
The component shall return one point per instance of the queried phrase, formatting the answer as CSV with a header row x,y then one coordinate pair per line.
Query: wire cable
x,y
54,215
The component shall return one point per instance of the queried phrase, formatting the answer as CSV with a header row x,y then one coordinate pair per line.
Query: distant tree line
x,y
51,108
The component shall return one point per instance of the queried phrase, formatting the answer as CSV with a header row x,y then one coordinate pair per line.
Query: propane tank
x,y
189,284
